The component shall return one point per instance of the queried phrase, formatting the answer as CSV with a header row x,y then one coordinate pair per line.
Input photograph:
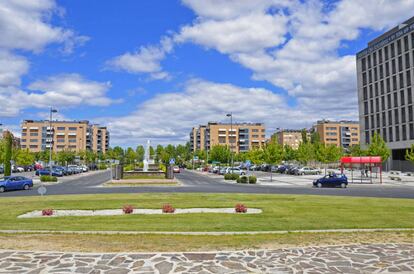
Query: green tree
x,y
289,153
8,150
356,150
305,153
220,153
24,157
409,154
130,155
378,147
315,138
140,151
65,157
273,155
256,156
304,133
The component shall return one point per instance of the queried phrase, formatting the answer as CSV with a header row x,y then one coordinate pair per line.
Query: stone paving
x,y
372,258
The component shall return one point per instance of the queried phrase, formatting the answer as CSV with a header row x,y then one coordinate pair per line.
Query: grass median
x,y
280,212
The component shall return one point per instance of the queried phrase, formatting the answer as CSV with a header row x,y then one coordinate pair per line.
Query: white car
x,y
307,171
235,170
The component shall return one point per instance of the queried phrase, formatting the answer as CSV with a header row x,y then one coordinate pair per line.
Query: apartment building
x,y
240,137
289,137
197,138
343,134
63,135
385,73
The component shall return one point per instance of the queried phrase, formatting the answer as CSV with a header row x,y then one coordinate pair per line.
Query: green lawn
x,y
280,212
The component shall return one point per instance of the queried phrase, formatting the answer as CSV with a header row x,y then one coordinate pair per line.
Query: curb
x,y
195,233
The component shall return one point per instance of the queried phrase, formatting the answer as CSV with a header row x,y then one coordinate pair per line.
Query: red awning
x,y
361,160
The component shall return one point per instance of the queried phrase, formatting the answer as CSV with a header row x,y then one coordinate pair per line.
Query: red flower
x,y
167,208
240,208
47,212
128,209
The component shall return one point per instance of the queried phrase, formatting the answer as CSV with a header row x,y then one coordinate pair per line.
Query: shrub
x,y
231,176
102,166
242,180
47,212
128,209
48,178
240,208
167,208
252,179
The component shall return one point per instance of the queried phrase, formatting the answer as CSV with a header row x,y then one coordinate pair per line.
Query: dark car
x,y
46,171
15,183
332,180
281,169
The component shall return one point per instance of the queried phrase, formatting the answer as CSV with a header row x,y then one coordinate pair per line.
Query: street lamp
x,y
231,143
52,110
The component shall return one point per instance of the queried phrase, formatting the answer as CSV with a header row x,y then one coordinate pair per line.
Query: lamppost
x,y
52,110
230,135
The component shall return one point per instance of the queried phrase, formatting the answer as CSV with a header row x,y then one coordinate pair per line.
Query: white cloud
x,y
62,91
145,60
12,67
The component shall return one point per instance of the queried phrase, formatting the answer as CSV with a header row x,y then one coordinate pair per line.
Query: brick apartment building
x,y
343,134
240,137
289,137
64,135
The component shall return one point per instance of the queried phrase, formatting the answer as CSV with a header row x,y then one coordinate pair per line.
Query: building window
x,y
390,136
24,134
72,128
409,96
33,140
403,115
396,120
407,60
388,85
366,122
378,120
384,119
34,134
386,53
377,105
60,128
397,133
374,58
375,74
410,113
411,131
370,76
394,82
392,50
365,93
369,61
255,130
23,140
33,146
399,46
384,135
400,64
383,102
60,140
380,56
406,43
364,79
408,78
382,86
363,64
365,107
395,99
393,66
402,97
72,140
367,137
389,117
404,132
387,69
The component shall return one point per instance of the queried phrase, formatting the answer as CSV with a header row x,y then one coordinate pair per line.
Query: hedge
x,y
48,178
231,176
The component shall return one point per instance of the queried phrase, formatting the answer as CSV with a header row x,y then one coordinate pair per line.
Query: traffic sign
x,y
172,161
42,190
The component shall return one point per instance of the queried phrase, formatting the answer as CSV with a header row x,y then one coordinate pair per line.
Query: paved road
x,y
193,182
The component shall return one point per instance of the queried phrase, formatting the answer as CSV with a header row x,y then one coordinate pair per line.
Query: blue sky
x,y
153,69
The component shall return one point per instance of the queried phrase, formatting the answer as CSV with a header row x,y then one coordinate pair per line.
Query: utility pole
x,y
52,110
230,139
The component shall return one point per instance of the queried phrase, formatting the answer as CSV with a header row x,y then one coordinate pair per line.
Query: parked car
x,y
85,168
216,169
281,169
222,171
15,183
235,170
17,169
307,171
75,169
46,171
291,170
176,169
332,180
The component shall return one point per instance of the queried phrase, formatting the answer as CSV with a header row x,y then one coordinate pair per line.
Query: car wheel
x,y
343,185
303,173
319,185
2,189
26,187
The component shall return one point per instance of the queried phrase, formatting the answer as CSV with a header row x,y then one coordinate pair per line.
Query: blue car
x,y
15,183
332,180
46,171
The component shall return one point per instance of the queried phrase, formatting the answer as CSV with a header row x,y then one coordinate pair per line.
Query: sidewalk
x,y
372,258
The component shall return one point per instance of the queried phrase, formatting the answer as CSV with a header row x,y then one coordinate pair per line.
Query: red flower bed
x,y
128,209
168,209
47,212
240,208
